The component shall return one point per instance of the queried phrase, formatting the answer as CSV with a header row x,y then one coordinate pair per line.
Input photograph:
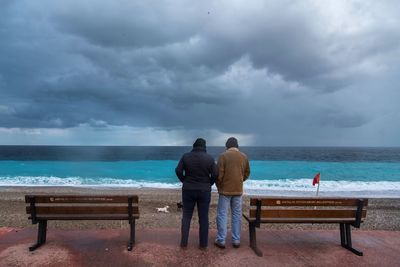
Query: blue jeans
x,y
189,199
235,203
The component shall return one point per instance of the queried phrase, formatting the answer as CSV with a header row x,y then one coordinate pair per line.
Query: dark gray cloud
x,y
281,72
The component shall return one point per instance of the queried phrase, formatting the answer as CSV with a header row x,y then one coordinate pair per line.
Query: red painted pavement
x,y
160,248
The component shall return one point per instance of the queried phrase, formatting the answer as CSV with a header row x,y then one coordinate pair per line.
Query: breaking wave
x,y
272,187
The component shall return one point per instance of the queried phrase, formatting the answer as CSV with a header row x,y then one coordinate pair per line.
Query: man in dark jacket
x,y
197,171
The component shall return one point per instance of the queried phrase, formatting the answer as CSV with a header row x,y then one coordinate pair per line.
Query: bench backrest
x,y
308,210
81,207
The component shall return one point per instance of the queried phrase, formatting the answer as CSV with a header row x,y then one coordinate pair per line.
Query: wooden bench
x,y
344,211
42,208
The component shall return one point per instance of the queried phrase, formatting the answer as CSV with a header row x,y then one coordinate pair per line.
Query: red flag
x,y
316,179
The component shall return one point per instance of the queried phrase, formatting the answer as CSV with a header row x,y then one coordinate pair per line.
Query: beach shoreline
x,y
384,194
383,213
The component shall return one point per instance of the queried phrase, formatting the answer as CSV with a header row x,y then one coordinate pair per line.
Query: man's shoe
x,y
203,248
219,244
236,245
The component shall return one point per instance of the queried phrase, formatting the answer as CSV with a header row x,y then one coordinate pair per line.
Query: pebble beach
x,y
382,213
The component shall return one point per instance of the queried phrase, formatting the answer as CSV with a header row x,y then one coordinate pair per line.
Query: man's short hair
x,y
232,142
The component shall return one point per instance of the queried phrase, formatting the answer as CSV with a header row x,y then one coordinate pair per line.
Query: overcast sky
x,y
123,72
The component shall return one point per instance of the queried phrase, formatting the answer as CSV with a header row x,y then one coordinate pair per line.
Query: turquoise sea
x,y
343,171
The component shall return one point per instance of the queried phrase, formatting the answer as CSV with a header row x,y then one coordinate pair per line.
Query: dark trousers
x,y
189,199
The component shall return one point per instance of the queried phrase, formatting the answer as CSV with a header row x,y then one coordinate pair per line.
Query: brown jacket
x,y
234,169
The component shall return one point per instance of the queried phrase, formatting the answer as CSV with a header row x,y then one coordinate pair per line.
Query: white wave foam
x,y
79,181
275,187
327,186
40,181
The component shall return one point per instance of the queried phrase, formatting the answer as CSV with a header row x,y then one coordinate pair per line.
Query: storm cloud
x,y
271,72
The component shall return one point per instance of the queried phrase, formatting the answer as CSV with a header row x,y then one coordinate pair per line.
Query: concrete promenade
x,y
159,247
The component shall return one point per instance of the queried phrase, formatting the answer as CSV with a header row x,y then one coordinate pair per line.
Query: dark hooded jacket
x,y
197,170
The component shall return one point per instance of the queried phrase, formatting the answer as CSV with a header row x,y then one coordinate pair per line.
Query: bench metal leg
x,y
41,239
345,238
342,235
253,239
132,235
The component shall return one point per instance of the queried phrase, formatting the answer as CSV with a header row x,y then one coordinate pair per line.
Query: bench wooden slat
x,y
296,213
305,220
307,202
82,210
85,217
80,199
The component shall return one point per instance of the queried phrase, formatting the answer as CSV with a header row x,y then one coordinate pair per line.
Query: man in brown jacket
x,y
234,169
